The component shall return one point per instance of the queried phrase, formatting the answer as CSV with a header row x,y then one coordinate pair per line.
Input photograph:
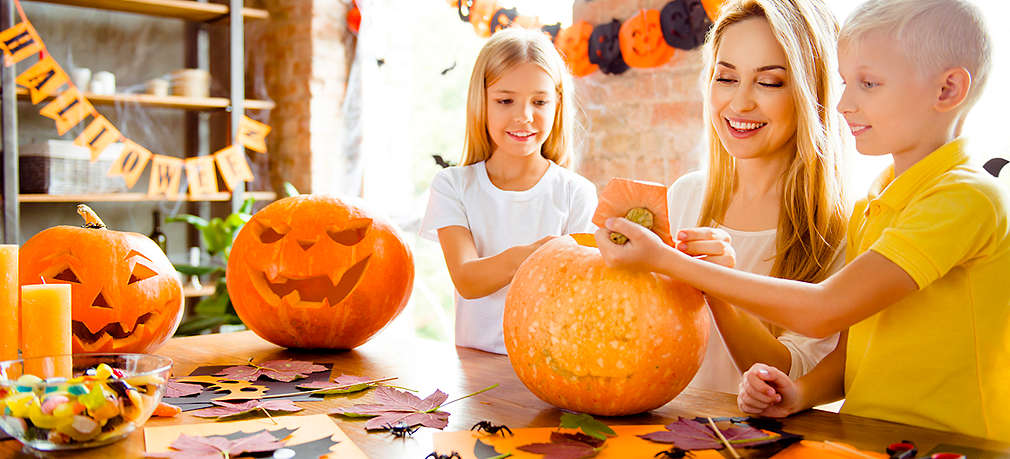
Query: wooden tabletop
x,y
427,365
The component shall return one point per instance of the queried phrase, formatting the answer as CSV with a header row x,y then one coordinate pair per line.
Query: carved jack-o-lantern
x,y
684,23
125,296
642,43
605,48
502,19
317,272
573,42
480,16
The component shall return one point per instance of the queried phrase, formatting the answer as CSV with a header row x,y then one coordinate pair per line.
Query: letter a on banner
x,y
202,175
68,109
166,174
19,42
43,79
99,134
131,163
253,134
234,168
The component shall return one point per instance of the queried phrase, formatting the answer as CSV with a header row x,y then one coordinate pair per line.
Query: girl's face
x,y
520,110
751,102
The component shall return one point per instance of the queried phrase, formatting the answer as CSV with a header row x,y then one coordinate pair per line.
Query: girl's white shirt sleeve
x,y
445,205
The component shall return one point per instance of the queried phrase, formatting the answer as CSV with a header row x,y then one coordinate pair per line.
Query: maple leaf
x,y
395,406
225,410
692,434
360,383
485,451
197,447
181,389
587,424
277,370
566,446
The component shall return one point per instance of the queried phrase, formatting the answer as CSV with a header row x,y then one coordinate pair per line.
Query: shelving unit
x,y
180,9
139,197
179,102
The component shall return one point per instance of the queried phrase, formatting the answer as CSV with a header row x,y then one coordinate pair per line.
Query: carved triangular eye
x,y
67,275
269,235
350,234
141,272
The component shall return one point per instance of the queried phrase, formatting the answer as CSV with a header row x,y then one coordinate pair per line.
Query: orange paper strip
x,y
201,175
19,42
131,162
43,79
166,175
99,134
234,168
253,134
68,109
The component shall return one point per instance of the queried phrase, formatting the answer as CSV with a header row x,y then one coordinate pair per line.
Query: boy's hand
x,y
767,391
709,244
641,252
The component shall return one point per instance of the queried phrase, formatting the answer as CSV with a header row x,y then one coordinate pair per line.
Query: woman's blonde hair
x,y
504,51
813,212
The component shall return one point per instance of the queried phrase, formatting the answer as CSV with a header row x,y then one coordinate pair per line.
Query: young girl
x,y
512,191
772,185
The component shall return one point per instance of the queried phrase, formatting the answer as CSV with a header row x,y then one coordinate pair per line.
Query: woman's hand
x,y
767,391
709,244
642,251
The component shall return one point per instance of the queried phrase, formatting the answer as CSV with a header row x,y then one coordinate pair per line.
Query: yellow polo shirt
x,y
939,358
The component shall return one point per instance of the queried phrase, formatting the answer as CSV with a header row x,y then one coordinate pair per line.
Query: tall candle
x,y
8,302
45,329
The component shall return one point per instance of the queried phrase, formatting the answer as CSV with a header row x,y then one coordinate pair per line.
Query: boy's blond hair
x,y
935,35
504,51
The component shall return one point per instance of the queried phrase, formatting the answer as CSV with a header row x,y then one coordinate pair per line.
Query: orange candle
x,y
45,329
8,302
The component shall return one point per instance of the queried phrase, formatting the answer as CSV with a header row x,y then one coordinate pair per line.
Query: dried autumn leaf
x,y
354,383
224,409
197,447
181,389
277,370
587,424
566,446
395,406
692,435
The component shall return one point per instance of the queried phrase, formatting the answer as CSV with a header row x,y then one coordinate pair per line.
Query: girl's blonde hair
x,y
813,212
504,51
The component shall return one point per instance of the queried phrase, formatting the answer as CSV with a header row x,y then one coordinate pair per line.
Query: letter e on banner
x,y
201,175
43,79
68,109
234,168
99,134
19,42
131,162
253,134
166,174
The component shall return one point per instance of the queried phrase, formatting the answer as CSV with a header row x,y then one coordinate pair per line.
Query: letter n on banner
x,y
201,175
234,168
166,174
99,134
19,42
253,134
43,79
131,163
68,109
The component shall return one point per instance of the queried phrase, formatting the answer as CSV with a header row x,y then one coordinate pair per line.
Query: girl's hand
x,y
767,391
709,244
641,252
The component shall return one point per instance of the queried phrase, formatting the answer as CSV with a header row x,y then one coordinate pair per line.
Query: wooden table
x,y
427,365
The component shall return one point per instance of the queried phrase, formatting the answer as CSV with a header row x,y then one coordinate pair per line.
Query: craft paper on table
x,y
626,444
306,429
234,390
43,79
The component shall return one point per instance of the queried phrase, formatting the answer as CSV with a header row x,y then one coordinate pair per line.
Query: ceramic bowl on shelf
x,y
81,401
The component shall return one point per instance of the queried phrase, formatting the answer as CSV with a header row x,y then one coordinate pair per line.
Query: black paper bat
x,y
442,162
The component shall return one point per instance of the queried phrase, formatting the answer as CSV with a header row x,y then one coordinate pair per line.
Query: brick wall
x,y
644,123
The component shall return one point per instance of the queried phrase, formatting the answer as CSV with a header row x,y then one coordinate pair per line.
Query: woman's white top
x,y
755,253
562,202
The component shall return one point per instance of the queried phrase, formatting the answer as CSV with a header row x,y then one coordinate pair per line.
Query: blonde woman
x,y
771,199
512,191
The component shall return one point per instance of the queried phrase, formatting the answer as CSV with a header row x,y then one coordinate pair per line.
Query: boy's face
x,y
520,110
887,105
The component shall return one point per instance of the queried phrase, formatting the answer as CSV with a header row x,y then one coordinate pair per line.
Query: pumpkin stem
x,y
91,219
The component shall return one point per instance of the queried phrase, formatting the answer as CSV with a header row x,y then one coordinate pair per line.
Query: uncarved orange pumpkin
x,y
599,340
621,195
318,272
124,294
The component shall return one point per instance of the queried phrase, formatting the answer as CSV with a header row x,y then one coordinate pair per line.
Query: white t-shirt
x,y
755,252
561,203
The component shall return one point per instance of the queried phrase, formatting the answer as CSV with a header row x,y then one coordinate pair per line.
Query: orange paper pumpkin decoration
x,y
621,195
642,42
503,18
318,272
480,16
712,8
125,296
573,42
599,340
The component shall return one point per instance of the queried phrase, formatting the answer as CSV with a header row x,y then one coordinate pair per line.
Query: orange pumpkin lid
x,y
621,195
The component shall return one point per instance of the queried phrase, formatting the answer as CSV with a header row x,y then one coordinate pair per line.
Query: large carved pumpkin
x,y
604,341
642,42
125,296
318,272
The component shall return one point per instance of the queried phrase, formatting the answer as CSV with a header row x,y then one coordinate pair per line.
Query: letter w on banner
x,y
166,174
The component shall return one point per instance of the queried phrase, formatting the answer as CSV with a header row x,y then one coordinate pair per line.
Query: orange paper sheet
x,y
626,444
310,428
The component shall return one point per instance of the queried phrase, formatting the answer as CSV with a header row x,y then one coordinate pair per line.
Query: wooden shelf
x,y
138,197
179,9
202,291
180,102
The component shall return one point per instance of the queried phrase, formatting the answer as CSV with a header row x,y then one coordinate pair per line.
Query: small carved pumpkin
x,y
642,43
684,23
125,296
480,16
502,19
318,272
573,42
605,48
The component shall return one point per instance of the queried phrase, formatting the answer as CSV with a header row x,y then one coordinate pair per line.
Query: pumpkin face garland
x,y
480,16
317,272
502,19
642,42
573,42
684,23
125,296
605,48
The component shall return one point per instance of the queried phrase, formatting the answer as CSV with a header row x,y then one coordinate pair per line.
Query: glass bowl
x,y
79,401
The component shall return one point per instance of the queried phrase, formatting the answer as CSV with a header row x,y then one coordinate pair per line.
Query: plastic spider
x,y
491,428
401,430
674,453
434,455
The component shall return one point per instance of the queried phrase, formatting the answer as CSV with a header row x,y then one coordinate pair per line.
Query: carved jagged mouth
x,y
114,329
319,289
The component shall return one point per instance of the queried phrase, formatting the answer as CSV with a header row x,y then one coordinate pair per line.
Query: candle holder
x,y
108,397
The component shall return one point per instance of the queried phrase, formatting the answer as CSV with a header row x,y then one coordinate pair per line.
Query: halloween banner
x,y
649,38
68,107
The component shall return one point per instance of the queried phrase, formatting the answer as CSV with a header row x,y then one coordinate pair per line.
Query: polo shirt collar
x,y
895,192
